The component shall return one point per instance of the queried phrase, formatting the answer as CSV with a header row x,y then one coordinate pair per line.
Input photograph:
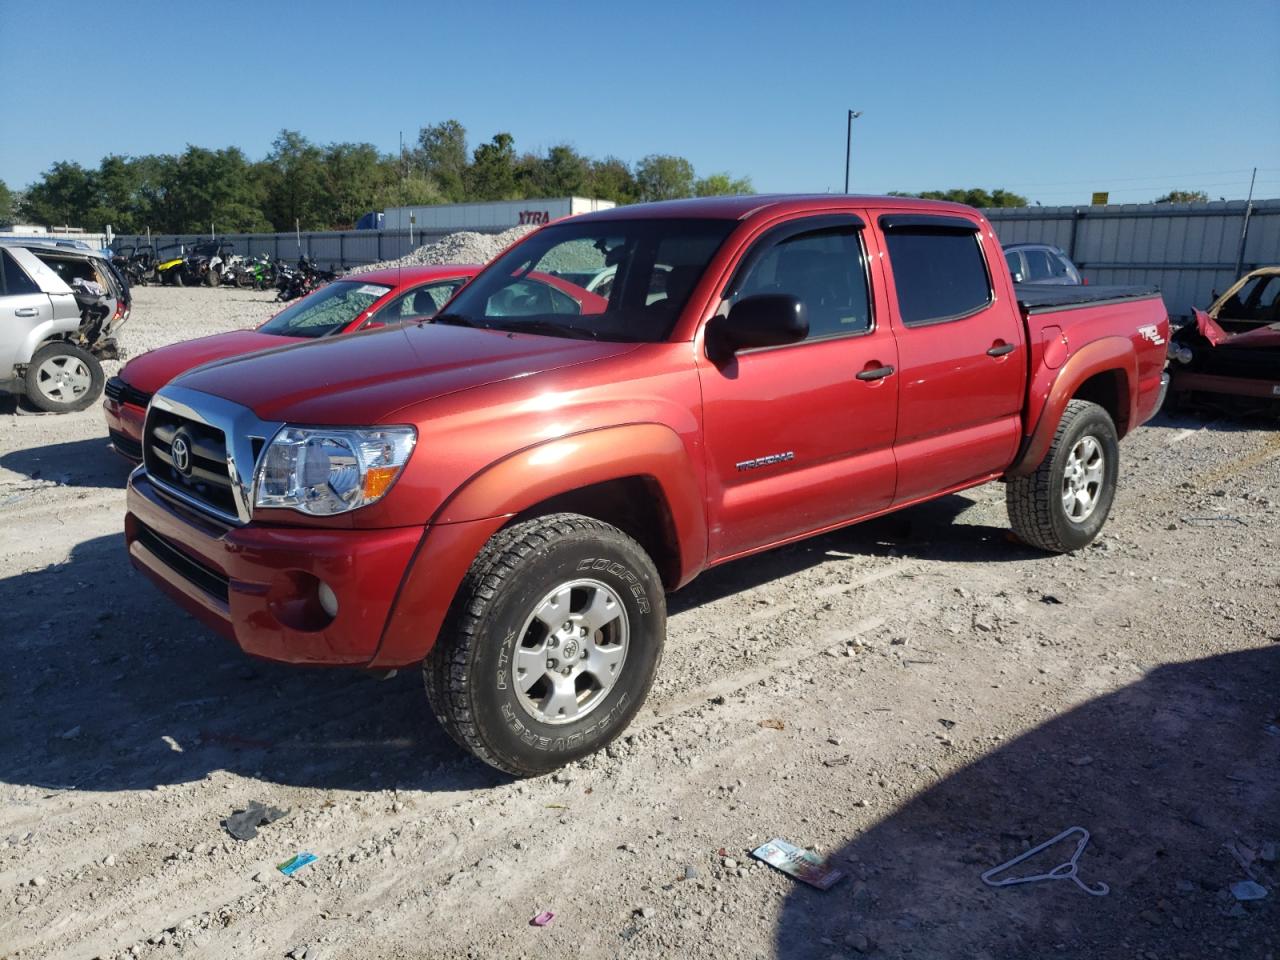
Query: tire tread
x,y
446,670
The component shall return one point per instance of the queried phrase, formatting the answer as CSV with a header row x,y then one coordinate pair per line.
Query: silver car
x,y
60,308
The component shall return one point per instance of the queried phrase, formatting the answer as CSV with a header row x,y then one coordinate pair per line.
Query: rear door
x,y
961,354
795,441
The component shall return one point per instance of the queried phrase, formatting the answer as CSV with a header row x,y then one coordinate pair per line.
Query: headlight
x,y
327,471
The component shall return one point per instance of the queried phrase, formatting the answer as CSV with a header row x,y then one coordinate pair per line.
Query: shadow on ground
x,y
1163,773
109,686
75,463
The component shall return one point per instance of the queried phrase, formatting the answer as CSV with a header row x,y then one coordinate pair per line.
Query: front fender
x,y
1051,390
487,501
565,464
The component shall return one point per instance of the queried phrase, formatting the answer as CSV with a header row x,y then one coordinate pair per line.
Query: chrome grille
x,y
212,469
199,468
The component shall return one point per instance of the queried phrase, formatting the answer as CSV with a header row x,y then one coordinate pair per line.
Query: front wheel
x,y
551,644
1062,506
62,378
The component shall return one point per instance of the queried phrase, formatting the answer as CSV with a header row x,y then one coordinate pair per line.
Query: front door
x,y
795,441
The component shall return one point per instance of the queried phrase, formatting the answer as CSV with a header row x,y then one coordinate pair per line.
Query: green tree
x,y
722,185
293,181
63,195
442,156
492,175
6,204
973,196
563,173
664,177
612,179
214,190
1183,196
354,174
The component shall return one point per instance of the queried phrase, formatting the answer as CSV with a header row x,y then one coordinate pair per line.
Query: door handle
x,y
1000,350
26,312
875,373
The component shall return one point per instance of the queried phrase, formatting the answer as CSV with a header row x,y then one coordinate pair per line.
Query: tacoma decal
x,y
766,461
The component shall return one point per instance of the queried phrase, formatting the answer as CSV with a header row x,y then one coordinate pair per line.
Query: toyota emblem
x,y
181,454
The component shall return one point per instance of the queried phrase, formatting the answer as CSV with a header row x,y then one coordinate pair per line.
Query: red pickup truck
x,y
506,493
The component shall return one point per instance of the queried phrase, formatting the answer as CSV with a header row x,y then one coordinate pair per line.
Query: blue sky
x,y
1053,100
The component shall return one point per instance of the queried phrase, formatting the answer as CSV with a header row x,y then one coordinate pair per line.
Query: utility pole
x,y
848,145
1244,230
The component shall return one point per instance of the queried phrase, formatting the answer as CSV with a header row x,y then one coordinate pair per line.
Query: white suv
x,y
59,311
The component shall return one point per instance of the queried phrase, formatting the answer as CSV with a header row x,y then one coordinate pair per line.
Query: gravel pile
x,y
465,246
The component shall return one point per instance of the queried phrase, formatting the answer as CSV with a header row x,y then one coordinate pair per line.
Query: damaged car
x,y
1229,356
62,309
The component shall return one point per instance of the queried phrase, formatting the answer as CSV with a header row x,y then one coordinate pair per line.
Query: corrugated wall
x,y
1188,250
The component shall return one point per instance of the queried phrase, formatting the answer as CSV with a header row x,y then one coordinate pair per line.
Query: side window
x,y
1014,259
417,304
1059,266
825,270
939,273
1039,264
16,280
529,297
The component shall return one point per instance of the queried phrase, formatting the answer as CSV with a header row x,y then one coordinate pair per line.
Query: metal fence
x,y
1188,250
328,250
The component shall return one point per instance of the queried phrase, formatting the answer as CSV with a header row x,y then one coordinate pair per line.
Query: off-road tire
x,y
36,388
1035,502
213,278
467,674
178,279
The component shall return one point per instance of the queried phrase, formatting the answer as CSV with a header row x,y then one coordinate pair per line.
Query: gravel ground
x,y
465,246
917,698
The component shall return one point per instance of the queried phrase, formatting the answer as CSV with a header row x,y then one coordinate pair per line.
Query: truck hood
x,y
365,377
150,371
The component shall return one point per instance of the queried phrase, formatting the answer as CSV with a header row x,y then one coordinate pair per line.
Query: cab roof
x,y
742,207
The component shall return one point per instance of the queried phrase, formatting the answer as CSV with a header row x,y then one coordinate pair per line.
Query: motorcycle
x,y
257,272
294,282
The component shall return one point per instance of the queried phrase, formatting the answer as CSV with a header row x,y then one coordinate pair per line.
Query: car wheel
x,y
61,378
1062,506
551,644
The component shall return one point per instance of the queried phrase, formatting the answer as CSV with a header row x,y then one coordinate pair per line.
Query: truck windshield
x,y
326,311
618,280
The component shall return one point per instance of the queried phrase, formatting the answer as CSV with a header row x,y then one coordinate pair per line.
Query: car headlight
x,y
326,471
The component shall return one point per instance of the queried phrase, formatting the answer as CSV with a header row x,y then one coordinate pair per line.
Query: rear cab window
x,y
939,271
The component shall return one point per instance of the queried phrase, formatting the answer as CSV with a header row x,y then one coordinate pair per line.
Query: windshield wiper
x,y
452,320
554,328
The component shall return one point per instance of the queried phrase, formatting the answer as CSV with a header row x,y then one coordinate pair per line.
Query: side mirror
x,y
764,320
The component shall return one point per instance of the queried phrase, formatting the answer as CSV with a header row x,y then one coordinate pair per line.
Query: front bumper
x,y
259,585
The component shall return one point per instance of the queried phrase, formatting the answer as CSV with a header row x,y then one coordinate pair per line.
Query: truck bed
x,y
1043,298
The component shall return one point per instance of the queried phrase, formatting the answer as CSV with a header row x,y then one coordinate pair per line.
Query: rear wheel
x,y
61,378
1062,506
551,645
